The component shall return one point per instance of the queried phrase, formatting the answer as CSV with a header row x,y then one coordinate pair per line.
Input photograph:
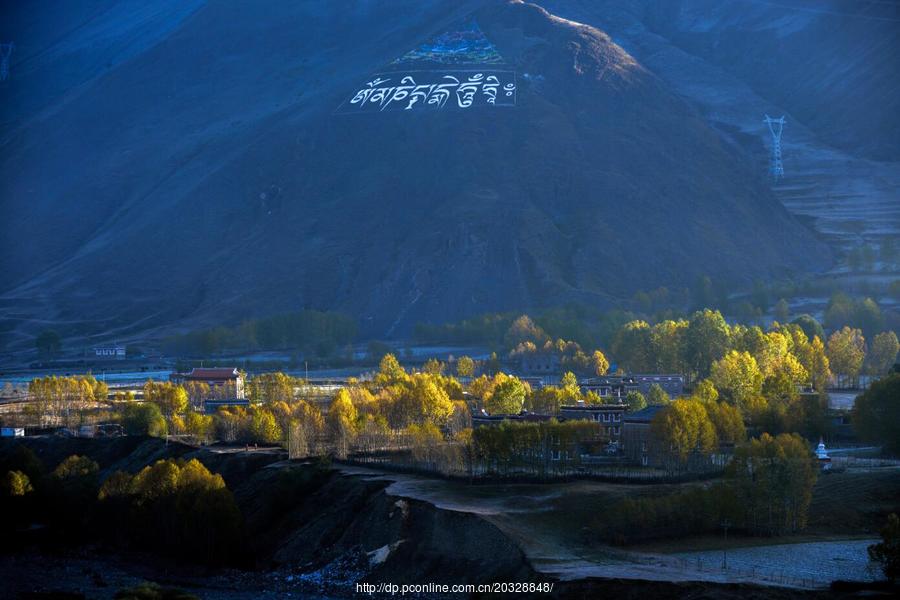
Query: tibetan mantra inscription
x,y
433,90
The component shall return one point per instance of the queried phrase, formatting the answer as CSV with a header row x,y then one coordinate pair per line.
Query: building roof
x,y
609,380
213,373
594,407
644,415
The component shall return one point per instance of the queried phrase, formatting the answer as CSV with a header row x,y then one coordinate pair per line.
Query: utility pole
x,y
775,128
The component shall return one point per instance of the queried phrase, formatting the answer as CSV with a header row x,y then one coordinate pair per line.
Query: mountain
x,y
220,169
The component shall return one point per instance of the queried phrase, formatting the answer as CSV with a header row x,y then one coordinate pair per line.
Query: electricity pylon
x,y
775,128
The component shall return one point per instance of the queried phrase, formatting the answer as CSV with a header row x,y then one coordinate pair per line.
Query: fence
x,y
447,465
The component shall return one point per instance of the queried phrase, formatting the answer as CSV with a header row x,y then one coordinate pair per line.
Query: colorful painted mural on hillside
x,y
464,46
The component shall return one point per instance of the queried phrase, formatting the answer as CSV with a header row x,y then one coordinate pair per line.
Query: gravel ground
x,y
822,562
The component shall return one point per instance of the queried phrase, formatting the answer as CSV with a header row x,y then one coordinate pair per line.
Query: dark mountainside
x,y
204,174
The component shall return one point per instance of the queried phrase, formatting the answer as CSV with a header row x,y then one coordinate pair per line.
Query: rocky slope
x,y
210,175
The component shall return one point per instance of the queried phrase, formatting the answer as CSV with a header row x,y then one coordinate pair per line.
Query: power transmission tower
x,y
6,51
775,128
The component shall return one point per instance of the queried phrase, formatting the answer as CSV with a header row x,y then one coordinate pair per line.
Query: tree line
x,y
312,332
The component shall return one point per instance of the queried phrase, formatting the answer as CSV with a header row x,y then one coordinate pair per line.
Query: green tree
x,y
657,396
876,413
465,367
883,352
810,326
76,466
772,480
782,311
433,366
635,401
738,378
666,343
887,552
143,418
48,343
507,398
631,346
727,421
846,352
706,392
707,339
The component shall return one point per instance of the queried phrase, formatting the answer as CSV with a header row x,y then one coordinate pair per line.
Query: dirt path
x,y
560,544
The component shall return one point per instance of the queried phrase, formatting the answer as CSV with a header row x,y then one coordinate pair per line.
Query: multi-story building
x,y
610,416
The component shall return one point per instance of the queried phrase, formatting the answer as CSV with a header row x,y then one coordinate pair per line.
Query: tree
x,y
422,398
727,421
465,367
264,428
17,483
666,342
76,466
433,366
546,400
684,427
175,506
782,384
507,398
172,399
143,418
706,392
198,425
868,317
657,396
635,401
706,340
810,326
782,311
341,420
876,413
738,378
599,363
48,343
846,352
839,311
631,346
815,361
887,552
883,352
390,371
571,391
268,388
523,329
772,478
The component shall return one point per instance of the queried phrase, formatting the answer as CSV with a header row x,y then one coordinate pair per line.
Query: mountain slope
x,y
213,176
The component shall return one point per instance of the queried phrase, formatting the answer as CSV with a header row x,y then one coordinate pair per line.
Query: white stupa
x,y
822,455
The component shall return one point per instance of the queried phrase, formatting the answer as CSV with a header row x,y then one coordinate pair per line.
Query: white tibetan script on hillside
x,y
433,90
